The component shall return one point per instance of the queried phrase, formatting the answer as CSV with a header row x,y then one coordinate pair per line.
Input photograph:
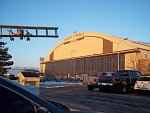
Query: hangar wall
x,y
90,52
86,43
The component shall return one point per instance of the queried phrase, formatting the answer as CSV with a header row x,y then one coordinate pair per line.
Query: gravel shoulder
x,y
78,97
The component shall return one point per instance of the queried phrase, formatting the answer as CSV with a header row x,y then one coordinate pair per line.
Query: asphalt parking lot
x,y
78,97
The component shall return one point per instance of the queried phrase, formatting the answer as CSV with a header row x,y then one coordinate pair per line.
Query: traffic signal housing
x,y
20,33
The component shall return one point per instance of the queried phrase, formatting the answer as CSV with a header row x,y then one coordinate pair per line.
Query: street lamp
x,y
118,51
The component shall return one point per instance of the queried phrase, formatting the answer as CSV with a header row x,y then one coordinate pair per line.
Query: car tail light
x,y
114,79
94,79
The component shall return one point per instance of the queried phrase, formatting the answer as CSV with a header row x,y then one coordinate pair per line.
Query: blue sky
x,y
123,18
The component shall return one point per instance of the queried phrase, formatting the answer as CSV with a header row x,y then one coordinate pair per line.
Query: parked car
x,y
142,84
15,99
80,77
93,80
121,82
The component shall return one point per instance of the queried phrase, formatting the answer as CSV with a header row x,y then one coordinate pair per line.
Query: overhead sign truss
x,y
27,31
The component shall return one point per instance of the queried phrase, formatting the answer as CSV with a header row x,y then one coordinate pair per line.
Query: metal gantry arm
x,y
20,31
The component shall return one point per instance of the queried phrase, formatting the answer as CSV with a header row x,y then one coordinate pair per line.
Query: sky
x,y
124,18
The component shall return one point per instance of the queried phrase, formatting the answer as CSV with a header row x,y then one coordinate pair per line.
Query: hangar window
x,y
146,56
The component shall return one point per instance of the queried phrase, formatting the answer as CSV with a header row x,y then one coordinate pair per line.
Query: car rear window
x,y
121,73
144,79
113,74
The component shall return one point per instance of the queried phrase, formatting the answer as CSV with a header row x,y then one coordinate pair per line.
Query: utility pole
x,y
119,52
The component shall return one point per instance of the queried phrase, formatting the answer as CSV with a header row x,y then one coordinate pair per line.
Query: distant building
x,y
31,78
93,52
31,70
41,64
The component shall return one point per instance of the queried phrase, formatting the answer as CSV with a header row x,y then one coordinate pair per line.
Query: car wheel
x,y
90,88
121,89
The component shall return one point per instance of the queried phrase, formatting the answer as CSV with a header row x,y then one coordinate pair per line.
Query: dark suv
x,y
15,99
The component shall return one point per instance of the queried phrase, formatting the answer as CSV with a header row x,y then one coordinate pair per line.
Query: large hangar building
x,y
93,52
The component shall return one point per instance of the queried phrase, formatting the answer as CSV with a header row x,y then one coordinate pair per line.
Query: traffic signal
x,y
11,38
27,33
28,39
11,34
20,33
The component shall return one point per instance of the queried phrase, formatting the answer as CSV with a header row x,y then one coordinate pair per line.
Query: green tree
x,y
5,62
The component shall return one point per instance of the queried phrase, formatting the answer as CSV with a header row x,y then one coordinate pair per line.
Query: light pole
x,y
118,51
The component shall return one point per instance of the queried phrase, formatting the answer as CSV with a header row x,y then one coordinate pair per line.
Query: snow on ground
x,y
56,84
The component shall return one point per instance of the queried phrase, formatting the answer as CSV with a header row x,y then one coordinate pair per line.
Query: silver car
x,y
142,84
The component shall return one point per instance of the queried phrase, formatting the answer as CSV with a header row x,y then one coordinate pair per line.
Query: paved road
x,y
80,98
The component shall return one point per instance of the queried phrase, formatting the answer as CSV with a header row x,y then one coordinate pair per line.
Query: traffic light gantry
x,y
25,32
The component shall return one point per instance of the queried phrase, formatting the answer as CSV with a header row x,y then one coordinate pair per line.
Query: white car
x,y
80,77
142,84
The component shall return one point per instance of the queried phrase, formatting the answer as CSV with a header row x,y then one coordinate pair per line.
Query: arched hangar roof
x,y
82,44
